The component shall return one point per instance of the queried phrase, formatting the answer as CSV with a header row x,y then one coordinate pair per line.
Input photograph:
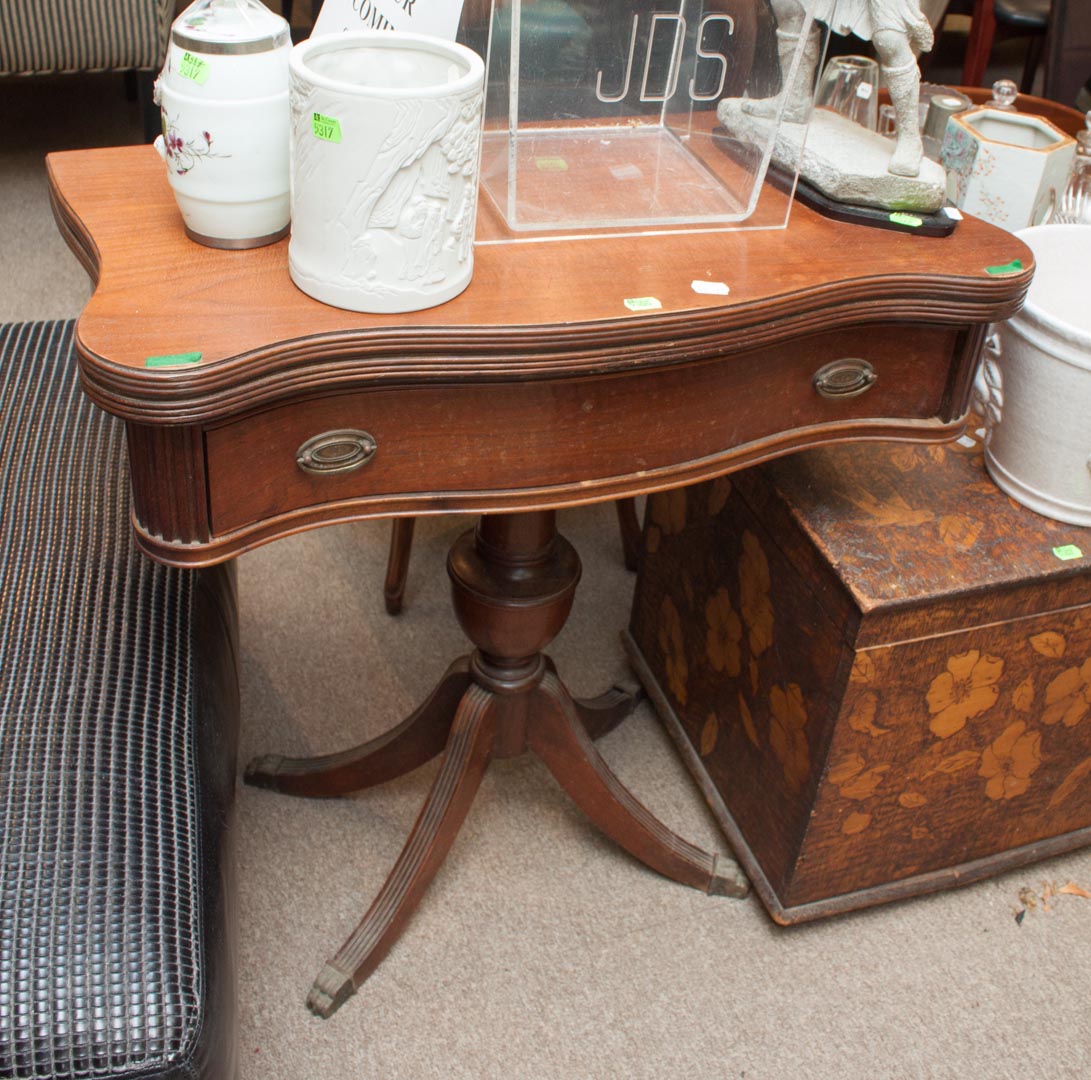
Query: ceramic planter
x,y
1038,383
1006,167
223,95
386,133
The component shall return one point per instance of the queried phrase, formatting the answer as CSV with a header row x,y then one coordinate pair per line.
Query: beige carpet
x,y
542,952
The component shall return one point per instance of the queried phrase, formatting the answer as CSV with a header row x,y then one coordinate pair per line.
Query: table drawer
x,y
455,441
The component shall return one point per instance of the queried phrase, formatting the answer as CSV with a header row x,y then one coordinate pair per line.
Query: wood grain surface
x,y
536,388
879,663
533,310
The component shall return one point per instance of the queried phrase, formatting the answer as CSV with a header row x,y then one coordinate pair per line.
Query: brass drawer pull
x,y
844,378
336,452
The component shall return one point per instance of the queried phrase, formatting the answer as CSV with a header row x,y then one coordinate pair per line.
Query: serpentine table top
x,y
576,398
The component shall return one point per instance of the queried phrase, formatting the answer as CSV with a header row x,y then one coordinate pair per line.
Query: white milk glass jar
x,y
223,94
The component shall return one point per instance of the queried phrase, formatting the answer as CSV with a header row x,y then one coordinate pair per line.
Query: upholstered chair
x,y
46,37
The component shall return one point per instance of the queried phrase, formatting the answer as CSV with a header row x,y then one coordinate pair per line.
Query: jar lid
x,y
1083,138
229,27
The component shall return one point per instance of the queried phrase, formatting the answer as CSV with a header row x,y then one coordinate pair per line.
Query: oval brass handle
x,y
844,378
336,452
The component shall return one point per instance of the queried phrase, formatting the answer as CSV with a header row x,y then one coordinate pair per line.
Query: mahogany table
x,y
253,412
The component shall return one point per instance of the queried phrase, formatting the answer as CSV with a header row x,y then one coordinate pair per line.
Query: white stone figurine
x,y
842,159
894,27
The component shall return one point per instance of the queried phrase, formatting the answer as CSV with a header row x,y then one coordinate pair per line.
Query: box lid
x,y
920,538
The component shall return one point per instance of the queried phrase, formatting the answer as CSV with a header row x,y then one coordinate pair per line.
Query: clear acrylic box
x,y
601,115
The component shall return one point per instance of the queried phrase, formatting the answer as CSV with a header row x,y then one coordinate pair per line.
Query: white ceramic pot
x,y
1009,168
223,94
386,134
1038,383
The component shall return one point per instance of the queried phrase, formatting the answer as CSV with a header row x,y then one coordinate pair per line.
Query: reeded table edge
x,y
400,355
374,357
74,233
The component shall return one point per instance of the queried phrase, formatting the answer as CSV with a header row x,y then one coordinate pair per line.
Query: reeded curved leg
x,y
397,565
416,740
558,738
464,763
603,713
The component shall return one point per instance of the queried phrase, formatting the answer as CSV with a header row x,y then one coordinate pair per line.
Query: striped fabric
x,y
44,36
100,920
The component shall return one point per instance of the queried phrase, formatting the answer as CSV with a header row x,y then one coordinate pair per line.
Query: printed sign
x,y
436,17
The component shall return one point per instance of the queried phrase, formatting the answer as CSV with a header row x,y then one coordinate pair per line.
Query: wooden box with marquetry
x,y
877,666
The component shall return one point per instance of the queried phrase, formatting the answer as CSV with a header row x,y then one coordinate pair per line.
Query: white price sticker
x,y
710,288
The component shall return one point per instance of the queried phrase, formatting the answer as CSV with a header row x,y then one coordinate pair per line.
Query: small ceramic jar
x,y
223,94
1004,166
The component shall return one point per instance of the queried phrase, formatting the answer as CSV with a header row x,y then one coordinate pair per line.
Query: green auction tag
x,y
911,220
193,67
551,164
173,359
325,127
1008,268
642,303
1068,551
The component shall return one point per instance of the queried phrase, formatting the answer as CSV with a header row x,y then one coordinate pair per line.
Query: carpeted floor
x,y
541,952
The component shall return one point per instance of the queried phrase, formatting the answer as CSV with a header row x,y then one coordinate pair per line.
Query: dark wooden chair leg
x,y
986,27
558,738
979,44
1030,64
397,566
629,525
465,760
416,740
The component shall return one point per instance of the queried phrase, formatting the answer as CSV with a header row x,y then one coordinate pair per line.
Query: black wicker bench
x,y
118,732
